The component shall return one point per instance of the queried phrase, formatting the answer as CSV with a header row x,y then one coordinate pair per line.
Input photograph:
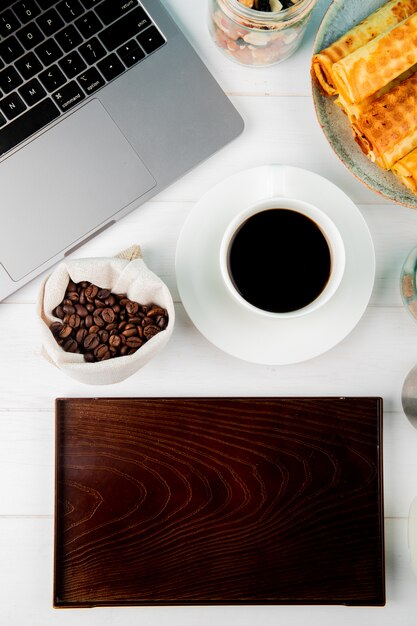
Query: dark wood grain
x,y
200,501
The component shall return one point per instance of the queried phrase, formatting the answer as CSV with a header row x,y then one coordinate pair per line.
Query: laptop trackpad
x,y
64,185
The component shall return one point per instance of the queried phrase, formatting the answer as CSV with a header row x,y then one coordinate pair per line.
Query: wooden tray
x,y
219,501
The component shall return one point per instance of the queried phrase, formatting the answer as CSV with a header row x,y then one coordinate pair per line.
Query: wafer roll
x,y
387,130
387,17
375,65
355,109
406,170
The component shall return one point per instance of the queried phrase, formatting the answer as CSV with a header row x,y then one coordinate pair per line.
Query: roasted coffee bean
x,y
132,307
73,296
103,294
81,335
151,331
81,310
55,327
70,345
91,342
59,312
101,325
135,320
104,336
74,321
98,320
110,300
130,330
134,342
91,291
156,310
108,315
65,331
100,351
115,341
161,322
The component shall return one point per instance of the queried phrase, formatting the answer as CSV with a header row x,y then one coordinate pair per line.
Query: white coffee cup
x,y
328,229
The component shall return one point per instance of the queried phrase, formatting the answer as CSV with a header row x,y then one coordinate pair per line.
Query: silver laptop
x,y
103,103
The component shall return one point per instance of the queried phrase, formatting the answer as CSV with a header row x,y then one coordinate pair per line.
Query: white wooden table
x,y
280,128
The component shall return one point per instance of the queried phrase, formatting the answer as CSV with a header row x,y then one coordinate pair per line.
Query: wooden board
x,y
219,501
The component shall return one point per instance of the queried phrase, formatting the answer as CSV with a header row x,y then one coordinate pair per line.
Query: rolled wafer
x,y
378,63
387,17
406,170
387,130
355,109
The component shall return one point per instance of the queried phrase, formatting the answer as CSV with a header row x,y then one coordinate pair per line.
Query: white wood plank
x,y
362,364
157,225
26,591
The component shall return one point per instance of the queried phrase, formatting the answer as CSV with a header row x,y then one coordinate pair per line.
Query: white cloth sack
x,y
126,273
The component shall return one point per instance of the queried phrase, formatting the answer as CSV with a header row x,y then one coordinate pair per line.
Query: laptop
x,y
103,103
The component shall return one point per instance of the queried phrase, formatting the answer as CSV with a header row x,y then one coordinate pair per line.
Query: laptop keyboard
x,y
54,54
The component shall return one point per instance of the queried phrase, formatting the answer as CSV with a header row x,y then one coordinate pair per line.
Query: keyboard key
x,y
27,124
3,120
29,65
26,10
8,23
52,78
126,28
72,64
9,79
111,10
70,9
30,36
151,39
92,51
88,24
50,22
69,96
32,92
46,4
68,38
127,48
12,106
133,57
10,50
49,52
110,67
89,4
91,80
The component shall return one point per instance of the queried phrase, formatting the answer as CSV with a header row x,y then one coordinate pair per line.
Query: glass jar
x,y
258,38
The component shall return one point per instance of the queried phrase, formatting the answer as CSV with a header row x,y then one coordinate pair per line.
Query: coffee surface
x,y
279,260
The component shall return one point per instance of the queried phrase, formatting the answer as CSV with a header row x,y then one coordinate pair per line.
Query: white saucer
x,y
245,334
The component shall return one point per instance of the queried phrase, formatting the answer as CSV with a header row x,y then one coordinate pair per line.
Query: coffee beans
x,y
102,325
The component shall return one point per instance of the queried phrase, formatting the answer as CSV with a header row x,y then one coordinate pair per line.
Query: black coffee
x,y
279,260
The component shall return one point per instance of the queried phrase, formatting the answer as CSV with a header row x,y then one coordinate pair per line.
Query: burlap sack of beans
x,y
126,273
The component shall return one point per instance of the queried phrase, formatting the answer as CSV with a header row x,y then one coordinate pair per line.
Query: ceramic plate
x,y
341,16
239,331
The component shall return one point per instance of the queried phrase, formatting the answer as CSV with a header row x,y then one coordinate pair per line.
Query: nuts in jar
x,y
259,32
